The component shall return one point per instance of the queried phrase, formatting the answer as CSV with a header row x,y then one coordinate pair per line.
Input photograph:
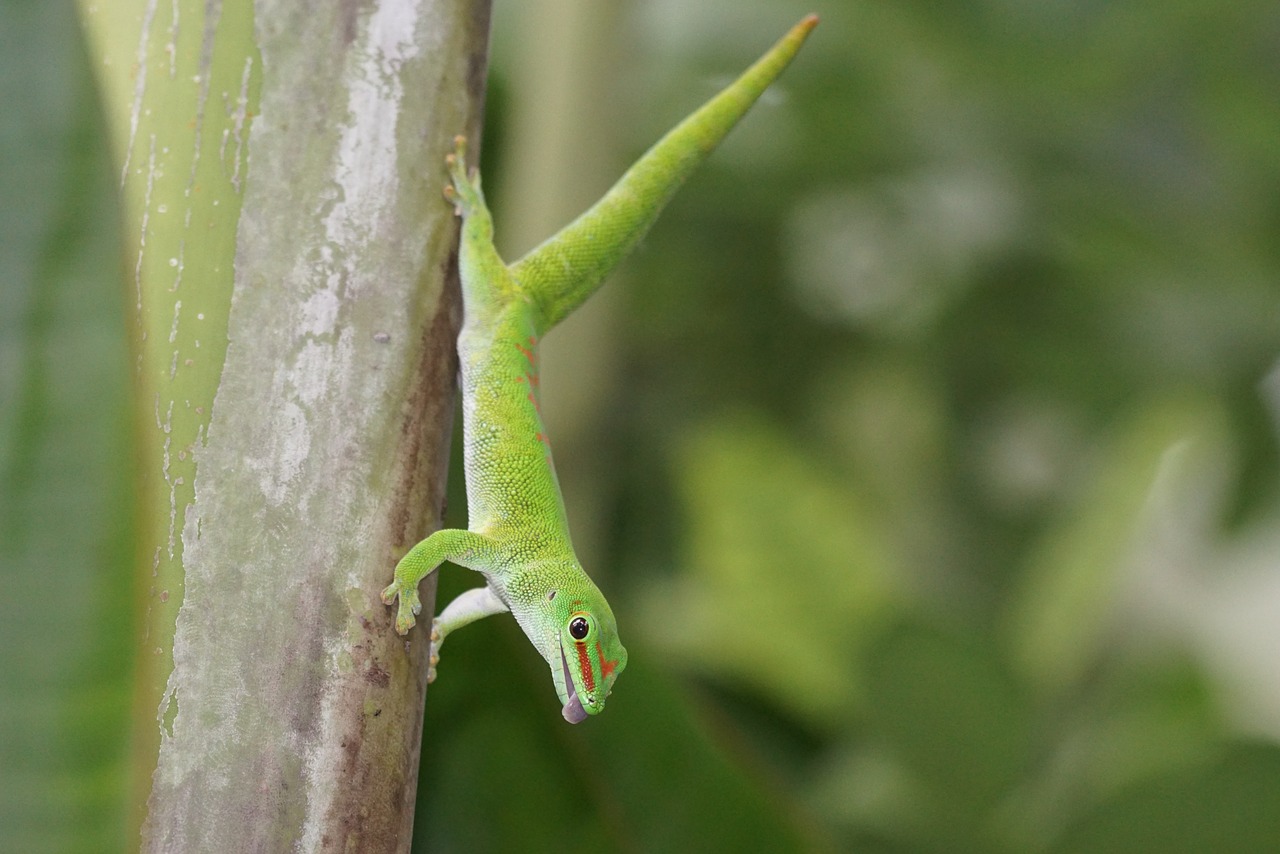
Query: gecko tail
x,y
562,272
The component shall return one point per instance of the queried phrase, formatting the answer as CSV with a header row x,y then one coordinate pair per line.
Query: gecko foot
x,y
464,190
410,606
433,654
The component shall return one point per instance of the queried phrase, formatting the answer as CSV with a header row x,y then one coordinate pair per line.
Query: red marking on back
x,y
534,400
606,667
520,379
528,354
584,666
541,438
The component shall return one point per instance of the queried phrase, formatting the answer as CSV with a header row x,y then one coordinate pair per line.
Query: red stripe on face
x,y
584,666
606,667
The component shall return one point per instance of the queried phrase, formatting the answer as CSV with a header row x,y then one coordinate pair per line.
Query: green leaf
x,y
502,771
1225,805
787,575
949,736
65,451
952,710
1067,603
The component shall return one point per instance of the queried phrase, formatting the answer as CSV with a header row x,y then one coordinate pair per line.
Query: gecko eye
x,y
578,628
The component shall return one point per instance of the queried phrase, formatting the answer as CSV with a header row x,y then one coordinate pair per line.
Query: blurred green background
x,y
926,448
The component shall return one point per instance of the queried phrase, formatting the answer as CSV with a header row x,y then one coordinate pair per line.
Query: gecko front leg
x,y
461,547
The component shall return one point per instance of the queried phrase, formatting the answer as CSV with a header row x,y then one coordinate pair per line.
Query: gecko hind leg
x,y
475,604
486,281
463,191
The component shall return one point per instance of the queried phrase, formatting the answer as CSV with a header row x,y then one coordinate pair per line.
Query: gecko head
x,y
590,654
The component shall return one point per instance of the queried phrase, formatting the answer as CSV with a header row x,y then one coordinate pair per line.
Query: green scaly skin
x,y
518,535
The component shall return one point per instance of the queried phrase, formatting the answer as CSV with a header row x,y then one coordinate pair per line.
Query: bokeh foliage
x,y
940,436
941,505
66,485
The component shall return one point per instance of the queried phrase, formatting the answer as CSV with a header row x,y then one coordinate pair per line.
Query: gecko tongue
x,y
572,711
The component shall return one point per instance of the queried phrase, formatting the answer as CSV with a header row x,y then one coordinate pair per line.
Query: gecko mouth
x,y
572,711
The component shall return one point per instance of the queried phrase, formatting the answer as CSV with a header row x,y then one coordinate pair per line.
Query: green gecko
x,y
518,536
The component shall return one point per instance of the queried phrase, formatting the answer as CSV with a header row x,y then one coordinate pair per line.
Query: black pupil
x,y
578,628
